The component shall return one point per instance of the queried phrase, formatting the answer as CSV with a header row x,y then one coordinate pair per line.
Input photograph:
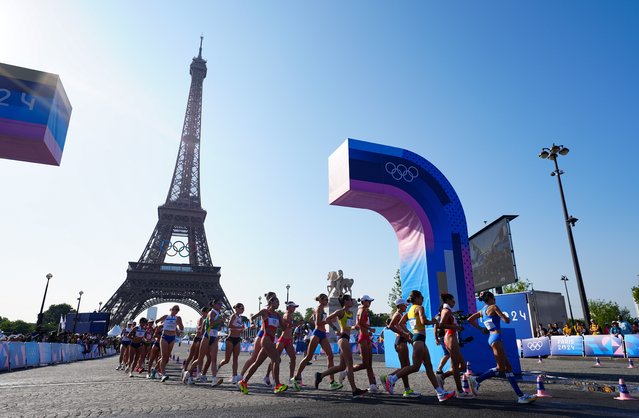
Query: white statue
x,y
347,285
334,288
337,284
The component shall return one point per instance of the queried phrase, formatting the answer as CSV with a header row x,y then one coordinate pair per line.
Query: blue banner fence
x,y
19,355
623,346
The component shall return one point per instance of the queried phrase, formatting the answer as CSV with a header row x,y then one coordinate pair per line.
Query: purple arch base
x,y
429,222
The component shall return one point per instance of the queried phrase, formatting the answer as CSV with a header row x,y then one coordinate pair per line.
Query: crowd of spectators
x,y
616,328
86,340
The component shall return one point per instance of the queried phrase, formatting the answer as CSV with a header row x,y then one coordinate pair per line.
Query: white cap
x,y
365,298
400,301
291,303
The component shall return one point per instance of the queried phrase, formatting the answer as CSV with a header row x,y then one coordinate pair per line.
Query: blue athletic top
x,y
491,322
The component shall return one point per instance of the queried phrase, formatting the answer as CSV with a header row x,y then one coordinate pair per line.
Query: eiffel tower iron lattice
x,y
178,232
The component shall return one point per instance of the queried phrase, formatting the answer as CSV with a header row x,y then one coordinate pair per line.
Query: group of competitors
x,y
154,341
149,343
491,316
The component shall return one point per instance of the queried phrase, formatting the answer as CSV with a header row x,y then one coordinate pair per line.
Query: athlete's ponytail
x,y
486,296
343,299
321,296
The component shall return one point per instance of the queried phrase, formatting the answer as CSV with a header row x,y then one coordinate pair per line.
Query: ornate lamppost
x,y
77,312
41,315
288,286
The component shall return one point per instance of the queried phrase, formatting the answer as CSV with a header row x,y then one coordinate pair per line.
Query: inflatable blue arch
x,y
427,216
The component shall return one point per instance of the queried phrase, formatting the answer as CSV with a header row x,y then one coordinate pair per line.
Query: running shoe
x,y
296,384
216,381
443,397
318,379
119,367
165,378
153,373
465,395
373,389
148,376
131,373
527,398
410,393
341,376
335,385
267,381
243,387
185,376
440,380
389,383
280,389
474,384
358,393
190,381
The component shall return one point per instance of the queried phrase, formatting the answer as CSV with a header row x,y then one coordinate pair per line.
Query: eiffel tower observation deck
x,y
179,233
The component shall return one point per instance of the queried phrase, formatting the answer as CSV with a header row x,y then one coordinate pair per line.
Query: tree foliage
x,y
308,315
635,294
52,315
395,292
521,285
16,327
604,312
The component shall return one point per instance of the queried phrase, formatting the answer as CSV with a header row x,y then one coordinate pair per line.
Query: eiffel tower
x,y
178,233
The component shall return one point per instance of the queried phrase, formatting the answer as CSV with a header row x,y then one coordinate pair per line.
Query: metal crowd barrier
x,y
19,355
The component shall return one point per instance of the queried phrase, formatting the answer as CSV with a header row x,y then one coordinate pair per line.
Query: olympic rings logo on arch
x,y
175,248
401,172
535,345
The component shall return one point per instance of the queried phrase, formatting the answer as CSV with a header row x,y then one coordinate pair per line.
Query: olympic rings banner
x,y
632,345
535,347
603,345
568,345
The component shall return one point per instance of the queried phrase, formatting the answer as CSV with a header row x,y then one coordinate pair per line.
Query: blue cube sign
x,y
34,115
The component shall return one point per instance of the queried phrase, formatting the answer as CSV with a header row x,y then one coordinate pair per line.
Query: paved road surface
x,y
94,388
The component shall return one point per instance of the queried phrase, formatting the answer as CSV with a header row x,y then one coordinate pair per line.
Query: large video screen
x,y
492,255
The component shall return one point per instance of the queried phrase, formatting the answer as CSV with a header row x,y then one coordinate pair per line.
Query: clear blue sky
x,y
476,88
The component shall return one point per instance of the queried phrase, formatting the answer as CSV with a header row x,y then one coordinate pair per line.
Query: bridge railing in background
x,y
19,355
576,345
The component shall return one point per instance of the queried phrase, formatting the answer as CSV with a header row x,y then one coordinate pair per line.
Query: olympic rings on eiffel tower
x,y
173,249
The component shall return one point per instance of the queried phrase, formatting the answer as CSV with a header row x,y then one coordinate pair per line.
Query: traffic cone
x,y
597,362
624,395
465,385
540,360
469,372
631,364
541,390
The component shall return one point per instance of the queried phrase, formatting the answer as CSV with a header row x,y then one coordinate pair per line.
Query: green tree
x,y
52,315
308,315
297,316
395,292
635,294
604,312
521,285
378,320
17,327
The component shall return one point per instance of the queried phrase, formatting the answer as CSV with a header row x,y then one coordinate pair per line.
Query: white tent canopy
x,y
115,331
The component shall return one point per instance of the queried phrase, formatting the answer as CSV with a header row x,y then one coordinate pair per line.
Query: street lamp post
x,y
77,312
288,286
552,153
565,280
259,298
99,306
41,315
